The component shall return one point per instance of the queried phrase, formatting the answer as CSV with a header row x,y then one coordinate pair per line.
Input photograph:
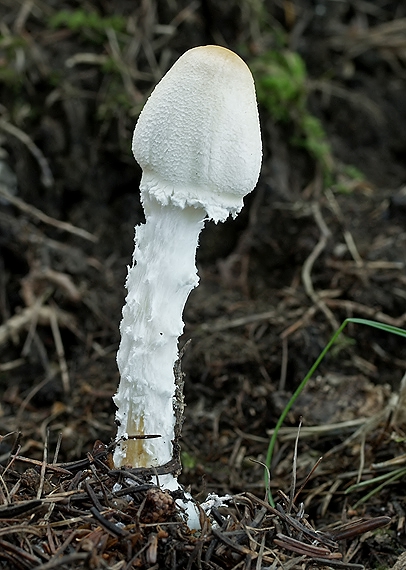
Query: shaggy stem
x,y
158,284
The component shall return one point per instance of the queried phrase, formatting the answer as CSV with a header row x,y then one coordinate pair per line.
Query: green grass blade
x,y
271,447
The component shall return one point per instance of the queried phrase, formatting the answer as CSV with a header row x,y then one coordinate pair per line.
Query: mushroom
x,y
198,143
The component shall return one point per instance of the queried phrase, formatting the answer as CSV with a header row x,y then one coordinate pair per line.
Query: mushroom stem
x,y
159,281
198,143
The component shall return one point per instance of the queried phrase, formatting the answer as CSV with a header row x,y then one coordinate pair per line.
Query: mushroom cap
x,y
198,138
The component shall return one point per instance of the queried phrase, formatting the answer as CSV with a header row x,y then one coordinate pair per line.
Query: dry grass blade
x,y
39,215
18,556
308,265
303,548
64,562
47,176
390,35
22,320
355,528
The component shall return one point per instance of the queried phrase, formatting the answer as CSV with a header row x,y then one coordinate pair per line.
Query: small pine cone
x,y
159,506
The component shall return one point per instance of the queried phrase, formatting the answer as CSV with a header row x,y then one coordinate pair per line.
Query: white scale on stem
x,y
198,143
158,287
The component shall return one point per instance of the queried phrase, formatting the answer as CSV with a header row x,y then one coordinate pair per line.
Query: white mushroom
x,y
198,143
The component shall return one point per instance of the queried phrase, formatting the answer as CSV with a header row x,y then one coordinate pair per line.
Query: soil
x,y
275,285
